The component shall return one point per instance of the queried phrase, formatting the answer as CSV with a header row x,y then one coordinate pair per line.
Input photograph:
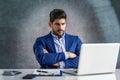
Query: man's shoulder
x,y
44,37
71,36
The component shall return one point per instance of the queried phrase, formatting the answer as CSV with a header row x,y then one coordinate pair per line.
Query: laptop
x,y
96,58
93,77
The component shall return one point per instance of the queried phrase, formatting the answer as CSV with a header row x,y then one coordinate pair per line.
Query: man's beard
x,y
57,33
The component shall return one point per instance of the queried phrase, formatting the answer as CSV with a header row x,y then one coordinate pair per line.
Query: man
x,y
57,49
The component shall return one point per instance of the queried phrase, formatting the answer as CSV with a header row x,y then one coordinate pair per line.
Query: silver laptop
x,y
97,58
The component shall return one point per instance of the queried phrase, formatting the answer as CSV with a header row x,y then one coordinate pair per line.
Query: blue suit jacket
x,y
72,44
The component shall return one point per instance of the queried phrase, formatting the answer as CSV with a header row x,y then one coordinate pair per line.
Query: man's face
x,y
58,26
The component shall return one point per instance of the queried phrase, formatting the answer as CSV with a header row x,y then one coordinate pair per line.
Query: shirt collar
x,y
54,36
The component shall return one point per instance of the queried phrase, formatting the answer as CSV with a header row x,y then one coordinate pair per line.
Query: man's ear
x,y
50,24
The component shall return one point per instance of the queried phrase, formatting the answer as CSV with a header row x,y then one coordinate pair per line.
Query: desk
x,y
113,76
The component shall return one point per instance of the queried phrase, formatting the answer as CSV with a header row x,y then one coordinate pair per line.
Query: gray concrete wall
x,y
116,5
22,21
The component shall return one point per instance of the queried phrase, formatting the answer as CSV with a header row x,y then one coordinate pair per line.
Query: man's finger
x,y
45,51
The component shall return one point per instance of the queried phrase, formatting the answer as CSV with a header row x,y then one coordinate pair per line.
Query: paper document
x,y
46,72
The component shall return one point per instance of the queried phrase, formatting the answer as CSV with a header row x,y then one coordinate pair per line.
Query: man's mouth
x,y
59,30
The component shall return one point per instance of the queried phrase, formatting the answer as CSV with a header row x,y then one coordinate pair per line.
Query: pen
x,y
42,71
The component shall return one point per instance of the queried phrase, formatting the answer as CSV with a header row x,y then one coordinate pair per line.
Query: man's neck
x,y
59,36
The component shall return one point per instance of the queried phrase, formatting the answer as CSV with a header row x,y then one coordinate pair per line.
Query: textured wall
x,y
116,5
22,21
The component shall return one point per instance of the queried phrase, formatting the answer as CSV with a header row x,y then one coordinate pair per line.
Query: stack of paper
x,y
47,72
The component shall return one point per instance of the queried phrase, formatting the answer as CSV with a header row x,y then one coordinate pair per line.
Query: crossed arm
x,y
46,57
70,55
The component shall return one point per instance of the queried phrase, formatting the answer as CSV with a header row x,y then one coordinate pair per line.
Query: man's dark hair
x,y
57,14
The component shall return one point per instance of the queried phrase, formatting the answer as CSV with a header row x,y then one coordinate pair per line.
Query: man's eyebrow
x,y
61,23
57,23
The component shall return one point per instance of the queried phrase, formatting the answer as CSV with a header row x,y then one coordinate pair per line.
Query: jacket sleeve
x,y
73,62
46,58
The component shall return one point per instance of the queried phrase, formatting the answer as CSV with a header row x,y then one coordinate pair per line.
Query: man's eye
x,y
63,23
57,24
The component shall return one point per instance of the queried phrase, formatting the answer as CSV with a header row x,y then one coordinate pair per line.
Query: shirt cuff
x,y
62,64
66,55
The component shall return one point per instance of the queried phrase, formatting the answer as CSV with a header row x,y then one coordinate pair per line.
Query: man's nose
x,y
60,26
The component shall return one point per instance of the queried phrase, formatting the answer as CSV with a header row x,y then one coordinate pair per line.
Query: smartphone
x,y
11,73
29,76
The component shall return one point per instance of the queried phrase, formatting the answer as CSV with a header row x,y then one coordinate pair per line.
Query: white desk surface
x,y
113,76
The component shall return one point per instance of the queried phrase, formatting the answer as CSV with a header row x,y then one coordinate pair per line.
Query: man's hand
x,y
45,51
57,64
71,55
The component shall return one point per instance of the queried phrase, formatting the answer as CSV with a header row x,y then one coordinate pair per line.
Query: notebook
x,y
96,58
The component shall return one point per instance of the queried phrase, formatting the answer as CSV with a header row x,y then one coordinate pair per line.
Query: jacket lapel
x,y
51,42
66,42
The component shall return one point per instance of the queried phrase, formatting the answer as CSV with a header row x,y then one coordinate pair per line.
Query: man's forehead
x,y
62,20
